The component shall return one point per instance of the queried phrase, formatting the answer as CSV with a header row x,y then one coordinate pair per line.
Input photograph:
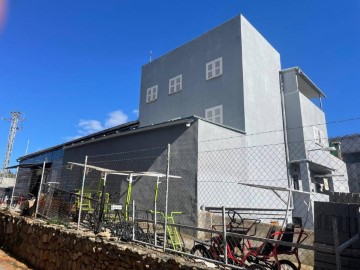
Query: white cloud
x,y
116,118
87,127
136,112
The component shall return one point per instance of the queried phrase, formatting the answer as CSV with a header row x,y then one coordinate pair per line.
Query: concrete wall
x,y
197,93
224,161
262,100
301,116
311,115
248,89
295,133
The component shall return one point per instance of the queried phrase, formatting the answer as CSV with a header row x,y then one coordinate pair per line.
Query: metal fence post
x,y
336,243
133,221
102,204
39,192
224,235
82,192
166,196
287,209
12,193
155,222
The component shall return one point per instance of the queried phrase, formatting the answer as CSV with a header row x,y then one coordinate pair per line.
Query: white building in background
x,y
6,187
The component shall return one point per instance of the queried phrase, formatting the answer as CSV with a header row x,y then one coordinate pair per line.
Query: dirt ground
x,y
9,263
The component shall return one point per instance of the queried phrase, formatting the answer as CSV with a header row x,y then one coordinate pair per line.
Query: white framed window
x,y
214,114
214,68
151,93
175,84
319,136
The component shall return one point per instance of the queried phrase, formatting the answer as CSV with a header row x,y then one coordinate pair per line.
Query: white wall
x,y
262,99
224,160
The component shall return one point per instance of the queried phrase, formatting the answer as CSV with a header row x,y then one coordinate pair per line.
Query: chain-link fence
x,y
229,200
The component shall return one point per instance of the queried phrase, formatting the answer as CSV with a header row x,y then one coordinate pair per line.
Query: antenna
x,y
16,118
150,56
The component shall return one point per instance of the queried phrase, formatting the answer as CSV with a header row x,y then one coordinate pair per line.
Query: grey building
x,y
229,75
232,76
135,149
313,168
231,115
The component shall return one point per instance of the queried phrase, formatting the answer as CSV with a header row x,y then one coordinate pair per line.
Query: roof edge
x,y
306,78
81,139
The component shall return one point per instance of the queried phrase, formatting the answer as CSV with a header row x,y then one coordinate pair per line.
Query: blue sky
x,y
73,67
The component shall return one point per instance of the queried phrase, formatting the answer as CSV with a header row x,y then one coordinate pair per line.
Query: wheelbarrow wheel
x,y
200,251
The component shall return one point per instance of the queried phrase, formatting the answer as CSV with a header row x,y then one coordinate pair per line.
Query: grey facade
x,y
313,169
256,97
118,152
30,166
227,83
143,149
249,80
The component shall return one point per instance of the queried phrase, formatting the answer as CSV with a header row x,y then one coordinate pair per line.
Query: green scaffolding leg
x,y
127,203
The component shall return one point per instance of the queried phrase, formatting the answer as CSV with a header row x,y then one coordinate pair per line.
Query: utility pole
x,y
15,119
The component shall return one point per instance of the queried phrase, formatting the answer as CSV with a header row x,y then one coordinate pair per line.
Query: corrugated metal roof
x,y
105,132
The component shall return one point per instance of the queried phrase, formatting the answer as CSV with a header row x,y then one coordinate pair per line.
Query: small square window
x,y
175,84
151,94
319,136
209,115
214,68
214,114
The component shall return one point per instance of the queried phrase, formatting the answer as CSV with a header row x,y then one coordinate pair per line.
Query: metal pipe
x,y
219,209
166,195
39,191
82,192
128,197
155,222
336,243
287,210
102,205
224,235
283,113
133,221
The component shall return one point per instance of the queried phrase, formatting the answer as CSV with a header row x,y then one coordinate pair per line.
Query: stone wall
x,y
52,247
